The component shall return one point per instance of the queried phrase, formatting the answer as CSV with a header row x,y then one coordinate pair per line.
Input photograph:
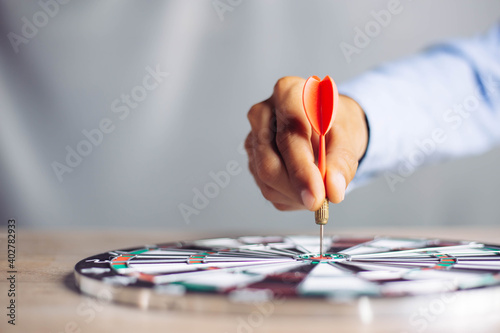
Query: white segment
x,y
273,268
259,239
442,275
380,275
472,248
486,266
263,269
160,253
224,280
326,270
310,244
160,279
265,248
184,267
383,244
219,242
376,267
325,279
360,250
415,287
398,243
348,284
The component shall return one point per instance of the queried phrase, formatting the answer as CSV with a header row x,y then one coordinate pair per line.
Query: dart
x,y
320,98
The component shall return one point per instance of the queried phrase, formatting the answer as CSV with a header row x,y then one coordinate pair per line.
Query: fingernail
x,y
340,185
307,199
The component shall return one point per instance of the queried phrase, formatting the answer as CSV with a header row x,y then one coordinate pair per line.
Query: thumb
x,y
341,166
346,143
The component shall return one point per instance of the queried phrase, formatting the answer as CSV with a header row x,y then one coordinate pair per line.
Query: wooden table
x,y
47,300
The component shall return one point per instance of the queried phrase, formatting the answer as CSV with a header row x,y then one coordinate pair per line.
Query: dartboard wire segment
x,y
290,267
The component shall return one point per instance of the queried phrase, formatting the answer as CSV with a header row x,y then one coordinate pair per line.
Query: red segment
x,y
278,289
287,277
320,257
121,258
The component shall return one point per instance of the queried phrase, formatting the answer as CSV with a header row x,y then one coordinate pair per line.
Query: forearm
x,y
444,102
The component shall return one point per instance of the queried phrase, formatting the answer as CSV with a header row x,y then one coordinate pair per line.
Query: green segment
x,y
139,251
445,264
496,251
196,287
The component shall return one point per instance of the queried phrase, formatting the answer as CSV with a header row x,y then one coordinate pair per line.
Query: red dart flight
x,y
320,99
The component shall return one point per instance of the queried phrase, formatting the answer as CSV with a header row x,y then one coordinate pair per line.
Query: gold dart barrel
x,y
322,214
321,217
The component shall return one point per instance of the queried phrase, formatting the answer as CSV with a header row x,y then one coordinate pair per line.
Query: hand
x,y
282,146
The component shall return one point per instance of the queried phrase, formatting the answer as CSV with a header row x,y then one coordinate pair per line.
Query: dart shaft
x,y
322,157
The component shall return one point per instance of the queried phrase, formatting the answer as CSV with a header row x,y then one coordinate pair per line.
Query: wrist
x,y
359,125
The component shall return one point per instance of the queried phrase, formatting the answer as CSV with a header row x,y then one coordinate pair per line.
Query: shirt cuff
x,y
371,162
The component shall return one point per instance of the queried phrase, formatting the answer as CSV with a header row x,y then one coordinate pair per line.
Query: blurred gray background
x,y
67,74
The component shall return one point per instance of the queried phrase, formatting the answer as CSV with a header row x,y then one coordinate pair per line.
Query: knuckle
x,y
282,121
267,170
284,83
284,139
267,192
253,113
249,144
289,130
265,136
289,144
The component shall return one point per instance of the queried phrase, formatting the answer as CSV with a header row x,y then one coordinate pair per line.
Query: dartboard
x,y
289,267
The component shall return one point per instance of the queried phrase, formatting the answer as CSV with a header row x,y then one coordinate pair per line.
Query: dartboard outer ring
x,y
286,273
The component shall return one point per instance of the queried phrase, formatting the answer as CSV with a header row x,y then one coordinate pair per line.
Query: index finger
x,y
293,139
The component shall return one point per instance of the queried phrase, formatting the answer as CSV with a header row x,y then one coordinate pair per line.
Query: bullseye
x,y
326,257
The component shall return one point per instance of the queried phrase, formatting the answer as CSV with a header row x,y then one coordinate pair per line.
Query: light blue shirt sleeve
x,y
439,104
